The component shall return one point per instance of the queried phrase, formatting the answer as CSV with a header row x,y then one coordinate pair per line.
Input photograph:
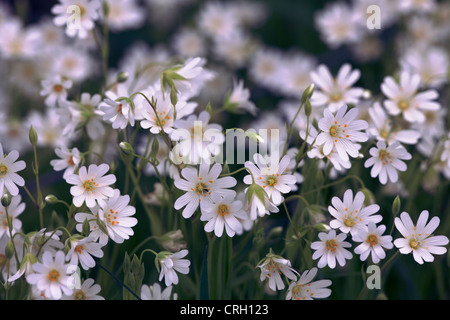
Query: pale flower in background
x,y
9,179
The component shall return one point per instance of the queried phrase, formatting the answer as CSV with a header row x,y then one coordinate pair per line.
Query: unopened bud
x,y
396,204
126,148
308,92
9,250
33,136
369,198
308,108
122,77
51,199
6,200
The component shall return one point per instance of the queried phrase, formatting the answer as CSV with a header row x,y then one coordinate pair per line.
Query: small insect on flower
x,y
418,238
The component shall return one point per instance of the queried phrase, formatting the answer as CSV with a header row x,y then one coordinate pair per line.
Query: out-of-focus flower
x,y
382,128
330,248
55,90
9,179
350,214
201,187
124,15
338,24
235,51
91,185
404,99
306,289
373,242
217,20
16,42
48,128
386,161
154,292
239,100
335,92
78,16
418,238
341,131
189,43
51,275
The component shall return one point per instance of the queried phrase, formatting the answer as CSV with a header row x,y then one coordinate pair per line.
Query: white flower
x,y
91,185
334,92
189,43
79,26
350,214
76,65
15,208
382,128
82,251
271,176
217,20
9,179
386,161
305,289
55,90
48,127
330,248
154,292
223,214
404,99
197,139
194,75
266,68
341,131
124,15
418,238
338,24
70,159
430,63
51,275
49,241
171,263
201,187
239,99
115,110
258,203
373,242
116,213
16,42
160,116
272,266
89,291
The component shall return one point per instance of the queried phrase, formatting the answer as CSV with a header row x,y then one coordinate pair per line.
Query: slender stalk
x,y
119,282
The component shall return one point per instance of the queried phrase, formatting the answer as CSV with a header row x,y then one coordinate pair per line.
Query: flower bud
x,y
122,77
308,108
33,136
51,199
396,204
86,228
173,241
9,250
369,198
126,148
6,200
308,92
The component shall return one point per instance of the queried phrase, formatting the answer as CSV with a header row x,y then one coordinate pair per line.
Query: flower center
x,y
79,295
403,104
349,221
79,249
372,239
273,267
223,210
414,244
89,185
119,108
111,217
385,156
335,96
201,188
162,118
57,88
271,181
3,170
53,275
70,161
430,117
384,134
331,245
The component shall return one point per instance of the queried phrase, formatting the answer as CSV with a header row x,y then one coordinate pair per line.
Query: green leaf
x,y
204,285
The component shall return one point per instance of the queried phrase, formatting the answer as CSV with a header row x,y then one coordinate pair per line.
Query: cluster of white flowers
x,y
112,146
